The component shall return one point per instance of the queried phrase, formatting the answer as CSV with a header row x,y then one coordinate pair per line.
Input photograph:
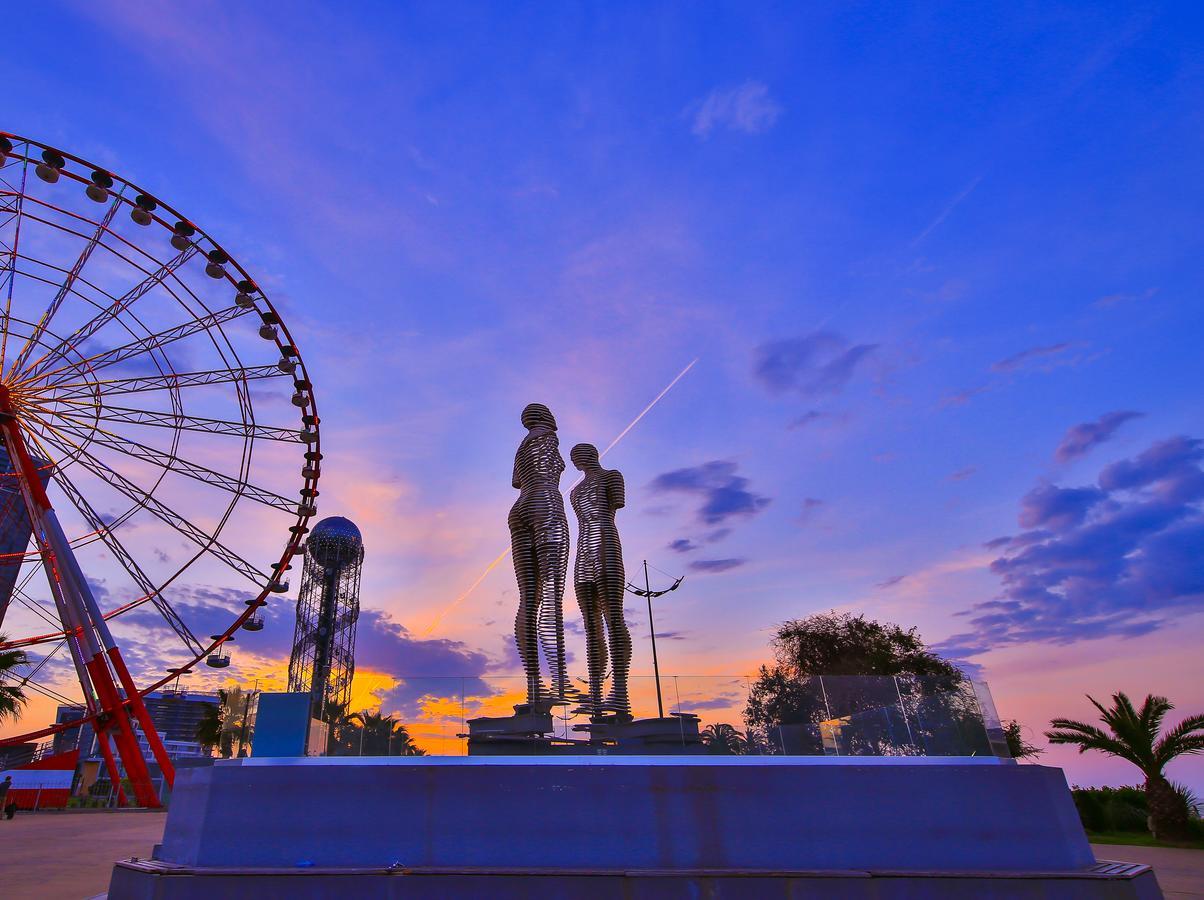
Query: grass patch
x,y
1138,839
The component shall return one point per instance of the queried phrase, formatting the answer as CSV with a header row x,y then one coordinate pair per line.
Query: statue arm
x,y
514,478
616,491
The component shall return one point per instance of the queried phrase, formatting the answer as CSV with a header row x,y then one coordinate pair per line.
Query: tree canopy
x,y
787,702
844,644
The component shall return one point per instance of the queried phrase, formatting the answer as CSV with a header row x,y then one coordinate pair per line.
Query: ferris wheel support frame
x,y
94,652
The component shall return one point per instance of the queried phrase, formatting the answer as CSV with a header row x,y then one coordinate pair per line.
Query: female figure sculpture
x,y
598,579
539,540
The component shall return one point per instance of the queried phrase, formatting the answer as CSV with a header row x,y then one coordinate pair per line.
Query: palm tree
x,y
12,696
403,744
722,739
384,736
1134,735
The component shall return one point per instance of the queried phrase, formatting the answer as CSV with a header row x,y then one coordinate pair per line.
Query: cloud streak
x,y
1081,439
746,108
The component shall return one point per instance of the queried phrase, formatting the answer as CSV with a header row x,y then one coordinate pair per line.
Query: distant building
x,y
16,755
175,714
71,738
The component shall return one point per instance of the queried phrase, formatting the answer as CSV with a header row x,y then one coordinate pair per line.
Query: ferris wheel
x,y
161,448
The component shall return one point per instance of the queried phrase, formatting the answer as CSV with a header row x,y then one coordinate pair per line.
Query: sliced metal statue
x,y
599,580
539,539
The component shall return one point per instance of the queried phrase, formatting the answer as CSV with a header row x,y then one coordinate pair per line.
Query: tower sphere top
x,y
335,541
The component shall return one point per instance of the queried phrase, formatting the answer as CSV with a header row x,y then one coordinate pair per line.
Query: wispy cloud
x,y
817,417
817,364
1041,359
724,494
1033,357
811,506
715,566
1081,439
746,108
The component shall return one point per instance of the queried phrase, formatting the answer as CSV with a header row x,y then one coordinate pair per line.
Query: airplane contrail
x,y
501,556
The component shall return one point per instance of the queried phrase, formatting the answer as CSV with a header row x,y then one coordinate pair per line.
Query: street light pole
x,y
649,593
656,669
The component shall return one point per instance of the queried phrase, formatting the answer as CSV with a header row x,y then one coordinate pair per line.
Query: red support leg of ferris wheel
x,y
81,616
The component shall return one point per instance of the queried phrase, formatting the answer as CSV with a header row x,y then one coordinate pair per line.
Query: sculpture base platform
x,y
624,826
529,732
675,735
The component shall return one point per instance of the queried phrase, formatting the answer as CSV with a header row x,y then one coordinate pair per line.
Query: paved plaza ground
x,y
69,855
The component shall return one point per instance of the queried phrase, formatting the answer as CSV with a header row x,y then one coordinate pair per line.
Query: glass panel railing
x,y
703,714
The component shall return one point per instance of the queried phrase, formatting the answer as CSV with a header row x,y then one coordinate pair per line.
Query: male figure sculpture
x,y
539,539
598,579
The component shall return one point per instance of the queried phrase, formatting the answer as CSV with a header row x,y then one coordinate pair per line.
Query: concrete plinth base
x,y
161,881
623,826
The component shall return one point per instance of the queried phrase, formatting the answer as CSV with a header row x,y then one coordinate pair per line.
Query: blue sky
x,y
915,251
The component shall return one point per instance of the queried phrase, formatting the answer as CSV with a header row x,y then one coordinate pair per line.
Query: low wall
x,y
627,813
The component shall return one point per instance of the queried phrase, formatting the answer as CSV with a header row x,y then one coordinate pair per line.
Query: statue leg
x,y
553,568
620,643
526,567
595,642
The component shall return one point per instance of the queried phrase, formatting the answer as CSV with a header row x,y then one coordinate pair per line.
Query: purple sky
x,y
939,269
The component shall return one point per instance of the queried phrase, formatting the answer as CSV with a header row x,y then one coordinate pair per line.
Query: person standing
x,y
4,801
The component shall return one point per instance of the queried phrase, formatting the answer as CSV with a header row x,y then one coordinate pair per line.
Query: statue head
x,y
536,415
585,456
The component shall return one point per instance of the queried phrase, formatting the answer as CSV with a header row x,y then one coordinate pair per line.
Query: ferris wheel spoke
x,y
109,313
160,419
164,513
175,463
127,562
35,606
68,283
143,345
10,277
82,390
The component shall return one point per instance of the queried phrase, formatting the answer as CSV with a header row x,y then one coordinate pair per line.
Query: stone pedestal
x,y
529,732
624,826
674,735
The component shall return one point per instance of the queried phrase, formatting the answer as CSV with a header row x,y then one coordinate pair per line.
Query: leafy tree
x,y
933,705
12,696
1018,747
209,729
1133,734
844,644
722,739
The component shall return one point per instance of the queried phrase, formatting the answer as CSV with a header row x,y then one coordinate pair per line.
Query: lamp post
x,y
648,593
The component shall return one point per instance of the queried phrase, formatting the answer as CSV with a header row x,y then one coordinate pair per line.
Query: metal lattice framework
x,y
147,381
328,605
599,580
539,541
